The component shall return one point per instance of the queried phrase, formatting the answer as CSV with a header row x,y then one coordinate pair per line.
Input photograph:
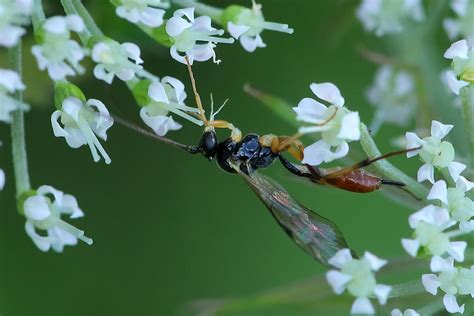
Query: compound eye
x,y
208,144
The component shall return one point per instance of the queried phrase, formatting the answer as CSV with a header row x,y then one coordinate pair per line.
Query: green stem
x,y
202,9
20,162
467,98
76,7
386,169
37,16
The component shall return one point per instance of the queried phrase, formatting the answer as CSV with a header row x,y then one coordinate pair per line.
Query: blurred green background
x,y
169,228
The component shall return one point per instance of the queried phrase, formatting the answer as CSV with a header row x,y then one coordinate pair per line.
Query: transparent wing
x,y
316,235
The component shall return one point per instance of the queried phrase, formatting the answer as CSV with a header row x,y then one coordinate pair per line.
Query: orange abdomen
x,y
357,181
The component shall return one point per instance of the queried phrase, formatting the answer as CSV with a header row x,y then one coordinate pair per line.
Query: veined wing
x,y
316,235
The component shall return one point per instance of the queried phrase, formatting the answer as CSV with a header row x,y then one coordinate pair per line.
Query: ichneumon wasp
x,y
244,155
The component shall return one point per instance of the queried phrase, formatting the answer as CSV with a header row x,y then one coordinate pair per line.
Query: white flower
x,y
247,25
357,277
462,24
10,82
337,124
462,73
43,212
393,95
148,12
57,52
114,59
434,152
408,312
2,179
389,16
13,14
429,224
195,38
460,207
451,280
83,122
164,97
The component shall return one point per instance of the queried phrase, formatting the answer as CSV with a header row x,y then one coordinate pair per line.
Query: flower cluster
x,y
438,225
13,15
462,72
10,83
357,277
389,16
146,12
393,96
336,123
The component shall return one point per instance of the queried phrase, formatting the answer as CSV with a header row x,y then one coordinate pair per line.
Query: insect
x,y
245,155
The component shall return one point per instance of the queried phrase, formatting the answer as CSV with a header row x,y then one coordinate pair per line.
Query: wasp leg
x,y
366,162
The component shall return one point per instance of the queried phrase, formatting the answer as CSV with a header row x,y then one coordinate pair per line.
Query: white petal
x,y
431,283
101,74
157,92
439,191
341,257
178,87
411,312
98,50
71,106
236,30
56,25
133,52
426,172
152,17
457,249
328,91
440,130
310,111
411,246
10,35
455,169
375,262
439,264
413,141
2,179
187,12
396,312
69,206
203,23
176,56
454,84
202,52
452,28
362,305
43,243
36,207
458,49
250,43
452,305
320,152
337,281
75,23
382,291
175,26
423,215
464,184
47,189
350,127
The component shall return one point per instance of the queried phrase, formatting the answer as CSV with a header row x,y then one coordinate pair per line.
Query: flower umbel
x,y
114,59
13,15
357,277
246,25
147,12
434,152
43,212
57,52
10,82
337,124
195,38
82,123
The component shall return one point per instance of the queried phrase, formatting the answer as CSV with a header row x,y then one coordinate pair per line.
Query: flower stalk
x,y
467,111
91,30
20,161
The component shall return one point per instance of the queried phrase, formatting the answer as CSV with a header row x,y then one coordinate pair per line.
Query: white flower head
x,y
337,124
429,224
114,59
194,38
434,152
82,123
408,312
247,25
57,52
453,281
2,179
389,16
43,212
357,277
147,12
165,96
13,15
10,82
393,95
462,73
461,25
459,206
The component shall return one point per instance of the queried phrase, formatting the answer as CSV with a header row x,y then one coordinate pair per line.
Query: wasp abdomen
x,y
357,181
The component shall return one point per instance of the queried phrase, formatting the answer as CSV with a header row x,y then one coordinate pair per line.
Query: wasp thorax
x,y
208,144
